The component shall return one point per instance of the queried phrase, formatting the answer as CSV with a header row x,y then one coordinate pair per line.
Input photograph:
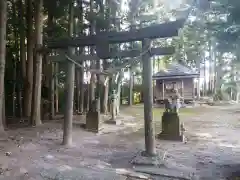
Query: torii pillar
x,y
150,149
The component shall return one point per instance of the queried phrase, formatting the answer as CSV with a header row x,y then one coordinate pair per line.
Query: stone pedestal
x,y
171,127
93,121
93,117
114,121
142,160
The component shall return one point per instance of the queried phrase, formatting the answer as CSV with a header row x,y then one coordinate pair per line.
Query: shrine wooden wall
x,y
186,90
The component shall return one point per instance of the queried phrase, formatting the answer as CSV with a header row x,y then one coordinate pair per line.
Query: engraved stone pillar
x,y
93,117
171,129
114,102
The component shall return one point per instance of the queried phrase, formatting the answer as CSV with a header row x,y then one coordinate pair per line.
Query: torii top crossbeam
x,y
164,30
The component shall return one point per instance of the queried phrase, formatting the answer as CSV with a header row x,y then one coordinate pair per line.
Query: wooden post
x,y
148,99
69,87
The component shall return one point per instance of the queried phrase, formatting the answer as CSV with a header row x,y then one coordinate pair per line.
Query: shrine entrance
x,y
101,41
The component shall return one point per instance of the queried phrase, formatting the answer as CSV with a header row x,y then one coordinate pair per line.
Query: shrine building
x,y
175,76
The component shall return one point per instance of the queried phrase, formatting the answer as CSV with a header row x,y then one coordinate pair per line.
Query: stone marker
x,y
114,120
93,117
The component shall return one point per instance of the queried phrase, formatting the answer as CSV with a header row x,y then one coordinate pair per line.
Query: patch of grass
x,y
183,111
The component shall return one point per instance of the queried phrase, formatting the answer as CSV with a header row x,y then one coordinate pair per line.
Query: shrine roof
x,y
175,70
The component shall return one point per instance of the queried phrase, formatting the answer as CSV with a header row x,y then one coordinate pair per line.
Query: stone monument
x,y
113,108
93,117
170,120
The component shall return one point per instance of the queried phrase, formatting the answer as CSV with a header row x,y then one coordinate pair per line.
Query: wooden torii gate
x,y
103,39
164,30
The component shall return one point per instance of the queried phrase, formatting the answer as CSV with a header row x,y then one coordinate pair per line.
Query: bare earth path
x,y
211,152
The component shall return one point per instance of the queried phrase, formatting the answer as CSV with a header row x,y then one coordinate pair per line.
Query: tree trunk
x,y
14,87
37,86
105,63
198,65
19,91
93,63
205,79
77,78
110,89
81,70
105,98
28,87
22,67
88,97
92,87
98,87
118,101
130,96
56,88
51,66
76,25
219,73
14,63
3,113
3,21
105,92
22,41
214,71
52,93
81,88
67,126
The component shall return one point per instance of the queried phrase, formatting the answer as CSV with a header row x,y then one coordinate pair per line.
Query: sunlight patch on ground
x,y
64,168
130,124
90,141
227,145
49,156
204,135
126,172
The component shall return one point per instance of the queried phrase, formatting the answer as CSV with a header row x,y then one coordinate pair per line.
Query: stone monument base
x,y
93,121
142,160
171,127
114,121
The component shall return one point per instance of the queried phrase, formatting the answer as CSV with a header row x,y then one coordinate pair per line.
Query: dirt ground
x,y
212,150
